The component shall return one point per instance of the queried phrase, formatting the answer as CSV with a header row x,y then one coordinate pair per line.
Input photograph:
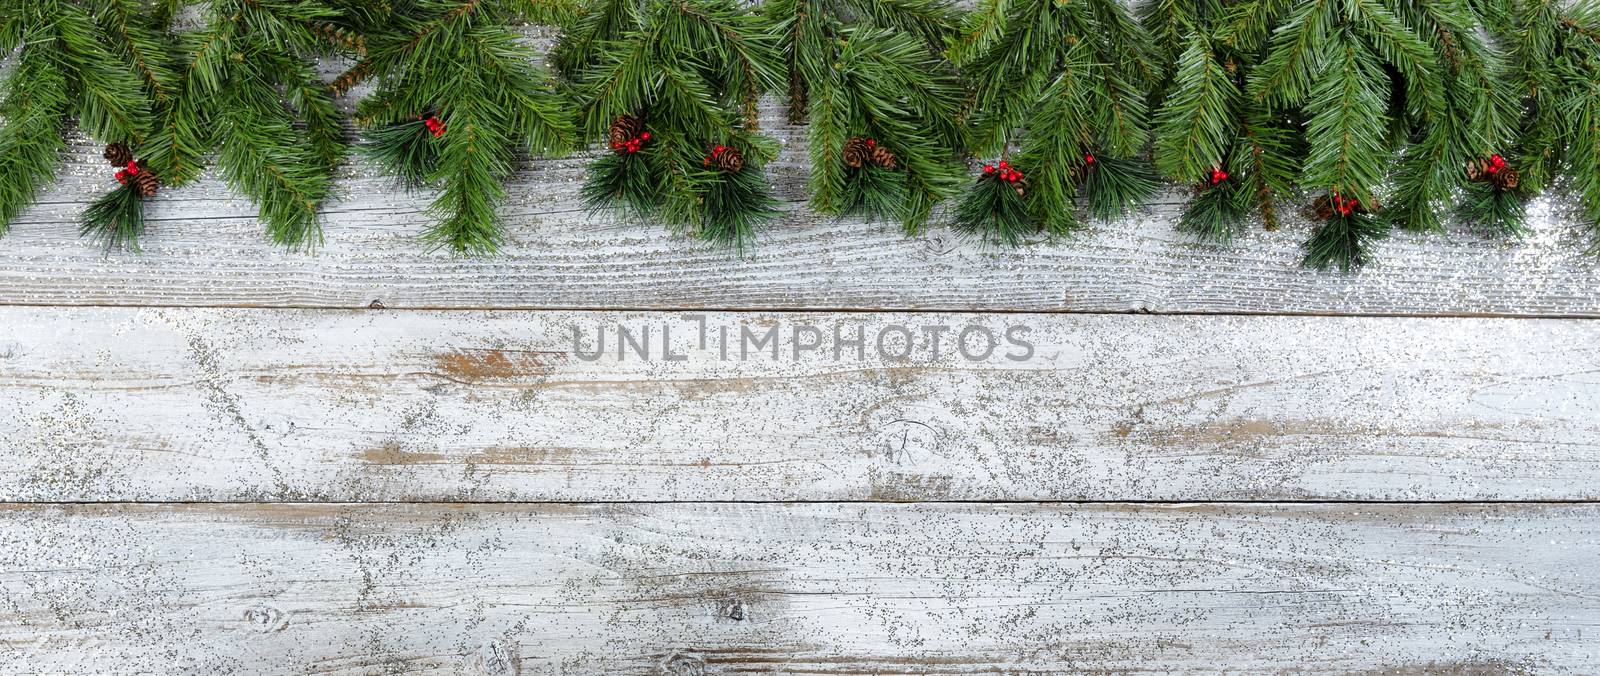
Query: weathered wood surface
x,y
206,249
256,405
799,589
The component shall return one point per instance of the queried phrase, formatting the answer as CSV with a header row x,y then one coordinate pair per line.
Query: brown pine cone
x,y
856,152
730,160
1322,207
624,128
883,157
146,181
118,154
1477,169
1507,179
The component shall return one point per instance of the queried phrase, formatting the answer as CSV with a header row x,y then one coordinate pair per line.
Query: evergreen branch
x,y
1216,211
1247,24
308,96
1284,78
1347,124
31,143
1195,126
981,30
1011,75
1344,241
1500,213
1585,153
1052,151
934,22
1266,163
263,156
110,103
1396,44
116,219
137,40
470,174
830,128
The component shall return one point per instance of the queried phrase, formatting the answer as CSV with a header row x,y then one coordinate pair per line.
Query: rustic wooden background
x,y
220,457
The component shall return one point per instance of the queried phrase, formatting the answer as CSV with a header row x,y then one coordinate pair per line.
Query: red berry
x,y
1088,159
871,143
1004,164
645,136
988,168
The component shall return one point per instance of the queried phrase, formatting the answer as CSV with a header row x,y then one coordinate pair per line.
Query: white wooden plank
x,y
206,249
257,405
799,589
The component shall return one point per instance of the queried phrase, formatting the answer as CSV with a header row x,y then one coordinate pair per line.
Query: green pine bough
x,y
248,98
68,67
458,98
1064,85
671,88
1365,115
883,104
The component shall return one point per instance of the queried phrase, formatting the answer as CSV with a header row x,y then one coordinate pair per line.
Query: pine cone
x,y
146,181
624,128
856,152
118,154
730,160
1322,207
1507,179
1477,170
883,157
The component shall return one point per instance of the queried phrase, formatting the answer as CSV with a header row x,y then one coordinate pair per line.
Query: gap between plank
x,y
812,310
1150,503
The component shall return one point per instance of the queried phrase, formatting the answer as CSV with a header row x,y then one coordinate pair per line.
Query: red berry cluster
x,y
1344,206
125,174
632,145
1495,164
1003,172
716,152
434,125
1218,175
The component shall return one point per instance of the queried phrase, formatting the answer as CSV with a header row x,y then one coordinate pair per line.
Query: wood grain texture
x,y
206,249
799,589
306,405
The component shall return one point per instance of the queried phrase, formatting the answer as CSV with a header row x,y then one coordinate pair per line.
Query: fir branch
x,y
1344,241
110,103
472,164
829,130
992,212
1284,77
1196,124
980,31
116,219
1113,185
1215,212
1053,149
407,151
138,40
1266,162
1346,131
1500,213
31,142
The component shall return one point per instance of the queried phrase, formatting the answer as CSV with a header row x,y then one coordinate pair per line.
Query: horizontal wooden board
x,y
696,590
315,405
206,249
